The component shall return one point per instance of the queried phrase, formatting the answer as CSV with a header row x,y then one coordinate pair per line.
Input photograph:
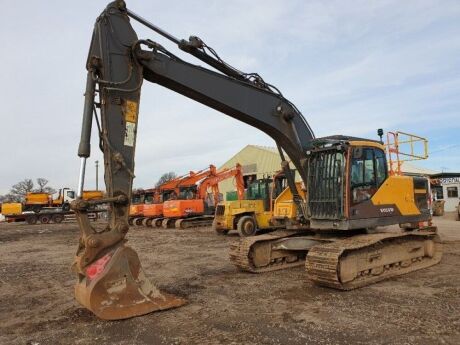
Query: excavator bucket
x,y
115,287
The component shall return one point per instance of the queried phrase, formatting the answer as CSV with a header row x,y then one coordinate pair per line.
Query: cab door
x,y
368,171
69,196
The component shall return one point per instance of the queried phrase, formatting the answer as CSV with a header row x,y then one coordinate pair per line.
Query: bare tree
x,y
165,178
42,186
20,189
9,198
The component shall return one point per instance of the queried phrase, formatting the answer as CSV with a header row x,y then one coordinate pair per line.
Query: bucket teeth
x,y
115,287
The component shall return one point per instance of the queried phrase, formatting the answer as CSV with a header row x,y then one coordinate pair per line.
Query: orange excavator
x,y
140,199
153,213
196,205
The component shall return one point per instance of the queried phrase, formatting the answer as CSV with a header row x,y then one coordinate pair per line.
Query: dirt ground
x,y
225,306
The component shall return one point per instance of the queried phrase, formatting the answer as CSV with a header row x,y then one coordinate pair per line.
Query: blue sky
x,y
350,66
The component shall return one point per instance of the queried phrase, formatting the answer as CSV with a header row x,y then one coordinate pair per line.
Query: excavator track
x,y
362,260
195,222
150,222
138,221
247,252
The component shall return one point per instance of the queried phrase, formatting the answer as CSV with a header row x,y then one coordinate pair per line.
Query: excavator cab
x,y
367,172
149,197
187,193
267,189
350,188
135,208
260,190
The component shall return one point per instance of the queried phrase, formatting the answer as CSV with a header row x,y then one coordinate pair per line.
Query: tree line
x,y
19,190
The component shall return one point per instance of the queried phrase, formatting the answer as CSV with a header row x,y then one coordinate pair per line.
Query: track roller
x,y
167,223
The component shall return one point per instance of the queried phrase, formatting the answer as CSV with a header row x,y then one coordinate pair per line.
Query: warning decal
x,y
130,111
130,134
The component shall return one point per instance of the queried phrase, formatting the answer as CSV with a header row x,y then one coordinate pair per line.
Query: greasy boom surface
x,y
225,306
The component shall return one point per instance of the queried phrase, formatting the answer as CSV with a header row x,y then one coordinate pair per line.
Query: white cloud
x,y
350,67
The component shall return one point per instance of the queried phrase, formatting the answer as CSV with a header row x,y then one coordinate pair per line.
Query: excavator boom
x,y
213,182
194,178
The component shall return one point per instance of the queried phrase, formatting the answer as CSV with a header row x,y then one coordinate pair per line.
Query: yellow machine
x,y
268,206
92,195
349,188
11,208
35,201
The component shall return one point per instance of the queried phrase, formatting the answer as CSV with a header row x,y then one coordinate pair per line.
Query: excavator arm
x,y
194,178
213,182
111,282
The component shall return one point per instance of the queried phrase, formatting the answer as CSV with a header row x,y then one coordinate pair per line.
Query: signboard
x,y
447,180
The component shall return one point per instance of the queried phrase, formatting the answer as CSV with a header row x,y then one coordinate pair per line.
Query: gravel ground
x,y
225,306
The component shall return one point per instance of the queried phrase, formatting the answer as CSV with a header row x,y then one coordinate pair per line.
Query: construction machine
x,y
268,205
35,201
139,199
147,205
152,212
195,206
38,201
171,190
43,208
349,189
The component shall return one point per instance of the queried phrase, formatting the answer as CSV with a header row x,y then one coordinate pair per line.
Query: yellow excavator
x,y
349,190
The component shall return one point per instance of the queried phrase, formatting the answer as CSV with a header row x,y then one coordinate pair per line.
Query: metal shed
x,y
257,162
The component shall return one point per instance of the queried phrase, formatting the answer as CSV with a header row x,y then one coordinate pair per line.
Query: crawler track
x,y
187,223
366,259
242,253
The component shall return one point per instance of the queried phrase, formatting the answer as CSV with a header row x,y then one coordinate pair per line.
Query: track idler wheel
x,y
181,224
115,287
147,222
167,223
156,222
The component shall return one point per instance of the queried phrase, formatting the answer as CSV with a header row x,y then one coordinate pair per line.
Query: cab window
x,y
136,199
380,166
368,171
71,194
148,199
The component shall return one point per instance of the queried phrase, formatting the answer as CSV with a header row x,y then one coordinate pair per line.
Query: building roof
x,y
264,157
446,174
409,168
265,148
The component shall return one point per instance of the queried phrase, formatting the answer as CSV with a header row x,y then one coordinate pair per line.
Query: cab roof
x,y
340,139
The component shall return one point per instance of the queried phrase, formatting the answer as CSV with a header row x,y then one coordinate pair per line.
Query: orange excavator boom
x,y
194,178
213,182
